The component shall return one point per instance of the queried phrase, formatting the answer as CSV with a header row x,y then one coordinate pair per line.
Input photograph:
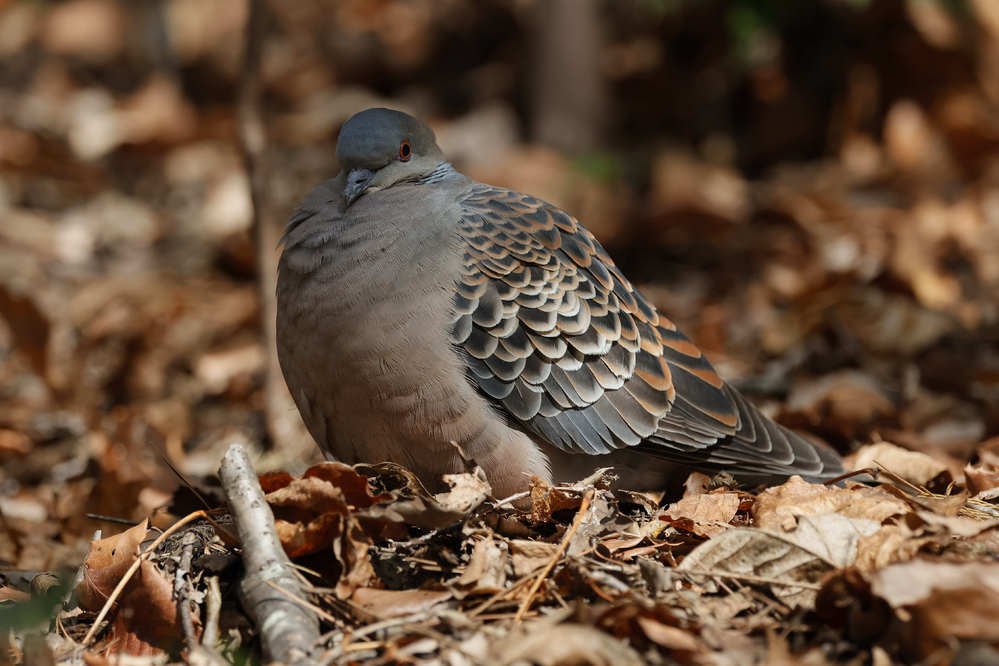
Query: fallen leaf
x,y
30,328
529,556
791,563
398,603
486,570
916,468
980,478
778,508
850,399
106,563
144,619
567,643
941,601
468,491
705,514
411,503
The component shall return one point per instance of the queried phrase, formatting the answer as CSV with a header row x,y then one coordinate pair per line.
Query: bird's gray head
x,y
380,147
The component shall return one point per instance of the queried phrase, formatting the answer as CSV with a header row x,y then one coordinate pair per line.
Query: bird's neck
x,y
440,172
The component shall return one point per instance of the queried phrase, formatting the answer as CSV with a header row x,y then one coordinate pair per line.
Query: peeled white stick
x,y
288,630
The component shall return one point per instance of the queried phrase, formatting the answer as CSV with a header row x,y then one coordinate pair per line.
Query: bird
x,y
427,319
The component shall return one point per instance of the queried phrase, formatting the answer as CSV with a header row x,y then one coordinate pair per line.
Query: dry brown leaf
x,y
890,544
546,500
309,513
106,563
13,442
468,491
850,399
147,619
753,555
567,643
411,503
916,468
669,637
696,484
300,538
643,623
791,562
30,327
529,556
486,570
941,601
145,616
351,551
397,603
705,514
981,477
778,508
326,509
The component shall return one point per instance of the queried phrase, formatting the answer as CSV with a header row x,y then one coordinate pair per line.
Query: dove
x,y
427,319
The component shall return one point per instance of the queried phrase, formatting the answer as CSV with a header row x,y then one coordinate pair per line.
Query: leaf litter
x,y
851,293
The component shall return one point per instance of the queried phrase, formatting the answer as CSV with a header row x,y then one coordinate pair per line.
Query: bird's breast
x,y
363,322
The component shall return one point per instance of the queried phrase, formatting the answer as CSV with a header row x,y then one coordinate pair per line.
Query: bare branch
x,y
288,630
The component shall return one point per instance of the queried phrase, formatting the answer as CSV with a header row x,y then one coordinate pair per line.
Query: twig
x,y
584,506
213,605
288,631
512,498
198,654
304,604
180,588
111,519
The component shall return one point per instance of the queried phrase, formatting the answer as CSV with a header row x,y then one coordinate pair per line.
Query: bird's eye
x,y
404,151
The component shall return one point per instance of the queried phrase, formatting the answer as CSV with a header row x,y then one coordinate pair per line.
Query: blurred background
x,y
809,189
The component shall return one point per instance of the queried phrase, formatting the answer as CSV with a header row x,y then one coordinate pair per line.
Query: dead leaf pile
x,y
811,194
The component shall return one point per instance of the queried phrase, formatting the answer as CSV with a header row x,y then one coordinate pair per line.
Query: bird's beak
x,y
357,182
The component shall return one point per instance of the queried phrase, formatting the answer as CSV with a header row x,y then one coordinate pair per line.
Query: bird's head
x,y
380,147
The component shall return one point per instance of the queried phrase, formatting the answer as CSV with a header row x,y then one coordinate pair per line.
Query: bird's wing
x,y
553,333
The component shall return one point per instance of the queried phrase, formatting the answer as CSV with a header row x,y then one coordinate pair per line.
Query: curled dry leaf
x,y
888,545
547,499
309,514
320,511
915,467
486,570
106,563
468,491
705,515
778,508
412,504
353,485
145,618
